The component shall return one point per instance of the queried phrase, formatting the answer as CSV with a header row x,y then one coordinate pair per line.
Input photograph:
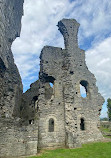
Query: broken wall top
x,y
69,67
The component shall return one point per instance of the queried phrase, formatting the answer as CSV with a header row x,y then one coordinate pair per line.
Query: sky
x,y
39,28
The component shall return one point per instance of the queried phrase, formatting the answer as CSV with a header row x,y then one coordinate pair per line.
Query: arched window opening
x,y
49,79
49,86
83,88
82,124
51,125
48,90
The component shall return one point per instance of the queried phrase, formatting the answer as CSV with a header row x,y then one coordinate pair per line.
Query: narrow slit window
x,y
51,125
82,124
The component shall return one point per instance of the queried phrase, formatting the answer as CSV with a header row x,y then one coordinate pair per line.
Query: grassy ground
x,y
93,150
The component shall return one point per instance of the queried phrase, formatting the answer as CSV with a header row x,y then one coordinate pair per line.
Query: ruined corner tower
x,y
66,118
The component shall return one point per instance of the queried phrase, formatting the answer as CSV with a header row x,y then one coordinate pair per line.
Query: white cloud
x,y
94,17
98,60
38,29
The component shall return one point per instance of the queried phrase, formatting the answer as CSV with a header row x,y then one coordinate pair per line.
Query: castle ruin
x,y
52,113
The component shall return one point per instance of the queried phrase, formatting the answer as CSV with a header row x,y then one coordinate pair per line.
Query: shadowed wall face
x,y
16,138
10,80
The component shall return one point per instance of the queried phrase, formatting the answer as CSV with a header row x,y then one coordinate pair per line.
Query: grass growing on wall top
x,y
93,150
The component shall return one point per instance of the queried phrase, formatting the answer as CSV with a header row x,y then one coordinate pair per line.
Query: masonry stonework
x,y
10,80
67,70
52,113
16,138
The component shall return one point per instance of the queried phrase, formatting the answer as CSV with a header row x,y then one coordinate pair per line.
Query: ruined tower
x,y
74,118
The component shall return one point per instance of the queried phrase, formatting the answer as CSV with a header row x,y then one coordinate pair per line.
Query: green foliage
x,y
104,119
93,150
109,108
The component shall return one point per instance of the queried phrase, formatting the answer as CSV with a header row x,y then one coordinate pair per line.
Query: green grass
x,y
93,150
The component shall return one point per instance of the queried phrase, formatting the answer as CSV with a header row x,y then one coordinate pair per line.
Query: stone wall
x,y
67,70
17,139
29,106
52,107
75,74
10,80
105,124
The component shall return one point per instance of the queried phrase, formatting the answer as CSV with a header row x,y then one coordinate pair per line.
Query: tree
x,y
104,119
109,108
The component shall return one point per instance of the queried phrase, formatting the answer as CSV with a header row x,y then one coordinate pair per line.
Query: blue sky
x,y
39,29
